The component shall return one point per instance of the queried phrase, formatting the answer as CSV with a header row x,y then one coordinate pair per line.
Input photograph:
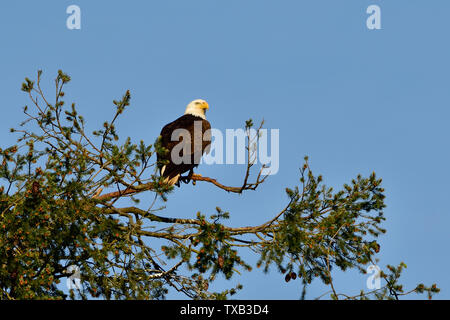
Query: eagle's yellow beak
x,y
205,105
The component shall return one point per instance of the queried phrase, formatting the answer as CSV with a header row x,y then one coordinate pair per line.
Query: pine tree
x,y
59,205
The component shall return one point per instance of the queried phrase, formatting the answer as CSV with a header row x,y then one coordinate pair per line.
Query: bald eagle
x,y
185,139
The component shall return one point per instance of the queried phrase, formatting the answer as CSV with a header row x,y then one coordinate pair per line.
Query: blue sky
x,y
354,100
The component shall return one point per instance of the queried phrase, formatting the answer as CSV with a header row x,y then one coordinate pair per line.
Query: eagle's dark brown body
x,y
200,142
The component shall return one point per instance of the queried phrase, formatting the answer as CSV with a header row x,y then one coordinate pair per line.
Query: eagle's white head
x,y
197,108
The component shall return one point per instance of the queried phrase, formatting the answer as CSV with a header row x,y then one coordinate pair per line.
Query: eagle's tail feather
x,y
173,180
169,180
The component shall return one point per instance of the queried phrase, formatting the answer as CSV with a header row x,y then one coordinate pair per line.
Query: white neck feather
x,y
196,112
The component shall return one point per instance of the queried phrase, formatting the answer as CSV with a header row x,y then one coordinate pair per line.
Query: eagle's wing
x,y
199,143
206,137
202,143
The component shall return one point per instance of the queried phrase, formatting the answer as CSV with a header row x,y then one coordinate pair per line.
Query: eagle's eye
x,y
197,102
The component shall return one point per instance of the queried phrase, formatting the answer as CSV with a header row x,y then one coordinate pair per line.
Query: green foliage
x,y
392,289
215,252
62,203
322,229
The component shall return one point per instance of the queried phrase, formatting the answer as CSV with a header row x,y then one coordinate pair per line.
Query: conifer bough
x,y
60,188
